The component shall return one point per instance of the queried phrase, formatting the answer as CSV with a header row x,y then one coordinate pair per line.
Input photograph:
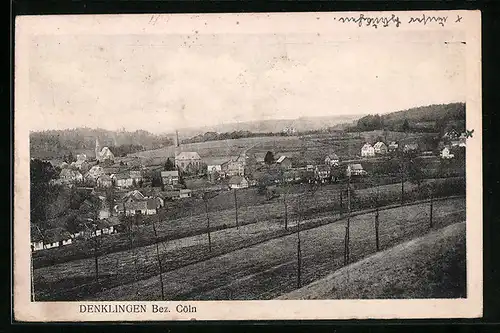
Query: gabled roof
x,y
173,173
281,159
122,175
70,173
104,178
236,180
379,144
332,156
322,167
188,155
356,166
135,194
135,173
366,145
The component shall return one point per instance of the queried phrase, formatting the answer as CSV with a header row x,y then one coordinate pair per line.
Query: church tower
x,y
97,148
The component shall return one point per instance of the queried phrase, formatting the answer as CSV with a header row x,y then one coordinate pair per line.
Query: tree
x,y
269,158
406,126
415,173
169,166
41,174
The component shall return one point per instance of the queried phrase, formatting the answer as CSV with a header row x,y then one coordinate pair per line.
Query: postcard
x,y
257,166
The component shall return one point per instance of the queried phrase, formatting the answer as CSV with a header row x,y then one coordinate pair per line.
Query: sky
x,y
162,82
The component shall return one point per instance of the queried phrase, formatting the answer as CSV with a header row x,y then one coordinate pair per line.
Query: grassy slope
x,y
432,266
262,271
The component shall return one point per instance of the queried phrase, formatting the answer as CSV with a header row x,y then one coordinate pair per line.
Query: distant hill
x,y
53,144
430,118
271,126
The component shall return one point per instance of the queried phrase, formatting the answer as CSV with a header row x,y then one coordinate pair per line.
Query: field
x,y
255,261
432,266
187,218
213,152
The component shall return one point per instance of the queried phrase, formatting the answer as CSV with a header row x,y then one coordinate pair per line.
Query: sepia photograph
x,y
224,158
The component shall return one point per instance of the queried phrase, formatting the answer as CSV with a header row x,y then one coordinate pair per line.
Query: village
x,y
142,190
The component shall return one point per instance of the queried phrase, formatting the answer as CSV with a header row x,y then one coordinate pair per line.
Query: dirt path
x,y
267,270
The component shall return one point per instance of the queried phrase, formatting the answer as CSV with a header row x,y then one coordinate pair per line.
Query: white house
x,y
367,150
445,153
237,182
355,170
185,193
380,148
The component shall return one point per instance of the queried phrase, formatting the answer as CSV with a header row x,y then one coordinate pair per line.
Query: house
x,y
322,173
332,160
291,176
69,175
105,155
237,182
81,157
159,201
310,167
94,173
185,193
123,179
284,162
393,146
380,148
142,207
188,161
411,147
56,237
367,150
445,153
104,181
133,196
170,195
355,170
451,135
233,168
462,140
108,226
214,168
170,178
136,176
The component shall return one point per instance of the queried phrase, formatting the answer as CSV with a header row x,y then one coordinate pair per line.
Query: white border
x,y
27,26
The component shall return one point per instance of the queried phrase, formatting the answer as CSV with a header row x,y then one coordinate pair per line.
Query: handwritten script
x,y
363,20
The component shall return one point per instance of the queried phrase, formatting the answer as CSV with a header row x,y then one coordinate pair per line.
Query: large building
x,y
188,161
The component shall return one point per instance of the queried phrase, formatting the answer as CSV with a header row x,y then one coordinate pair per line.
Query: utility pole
x,y
348,225
431,209
286,210
377,244
299,261
341,204
236,208
402,179
205,199
159,259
